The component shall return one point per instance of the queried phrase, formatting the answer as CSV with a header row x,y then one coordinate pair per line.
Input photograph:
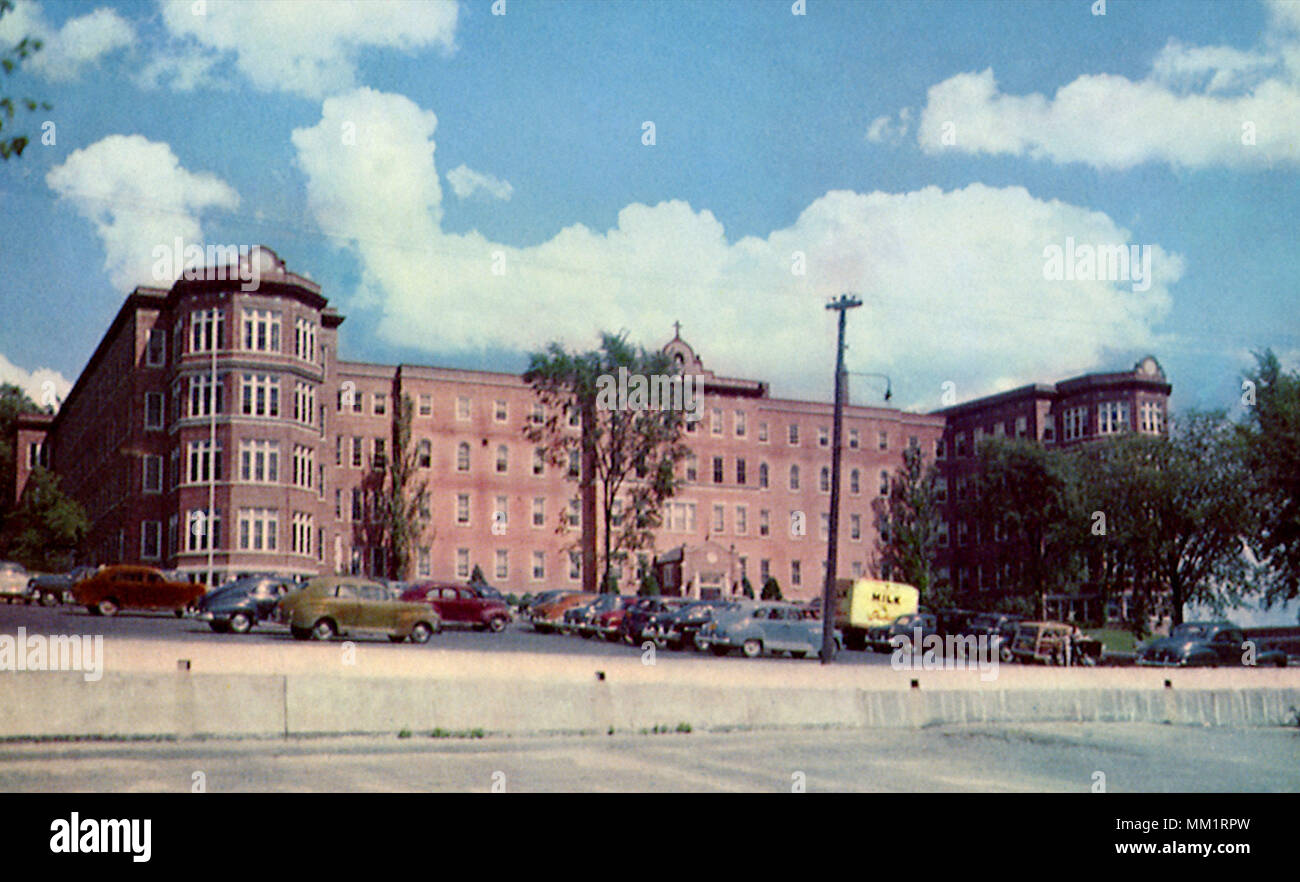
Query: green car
x,y
328,606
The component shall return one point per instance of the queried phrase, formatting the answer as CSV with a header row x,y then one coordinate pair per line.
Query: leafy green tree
x,y
771,589
628,458
403,502
1271,438
649,584
46,528
907,521
10,59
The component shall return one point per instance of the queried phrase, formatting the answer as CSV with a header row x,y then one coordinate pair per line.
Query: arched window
x,y
462,457
794,477
824,480
762,474
503,458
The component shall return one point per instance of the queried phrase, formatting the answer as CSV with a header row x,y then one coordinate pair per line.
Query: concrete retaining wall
x,y
186,705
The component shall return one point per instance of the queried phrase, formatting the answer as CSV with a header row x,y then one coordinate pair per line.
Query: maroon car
x,y
460,605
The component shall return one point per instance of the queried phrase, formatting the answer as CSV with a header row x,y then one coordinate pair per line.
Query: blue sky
x,y
522,135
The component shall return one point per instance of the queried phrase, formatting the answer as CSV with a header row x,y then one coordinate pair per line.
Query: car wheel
x,y
300,633
323,630
752,648
240,623
421,632
497,625
106,607
1005,656
49,598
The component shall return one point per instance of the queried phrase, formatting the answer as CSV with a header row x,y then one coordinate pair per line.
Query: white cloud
x,y
1199,107
465,182
883,129
953,280
308,47
138,197
68,50
39,384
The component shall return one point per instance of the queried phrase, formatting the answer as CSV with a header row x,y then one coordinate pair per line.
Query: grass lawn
x,y
1115,639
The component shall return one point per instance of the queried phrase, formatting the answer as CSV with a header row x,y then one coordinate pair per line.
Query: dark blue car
x,y
239,605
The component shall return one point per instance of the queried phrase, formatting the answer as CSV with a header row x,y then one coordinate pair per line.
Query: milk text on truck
x,y
870,603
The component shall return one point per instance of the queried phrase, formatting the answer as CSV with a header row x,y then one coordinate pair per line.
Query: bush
x,y
746,589
649,585
771,589
476,576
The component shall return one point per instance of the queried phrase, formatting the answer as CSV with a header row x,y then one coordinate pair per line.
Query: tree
x,y
746,589
403,504
13,404
1271,439
627,457
907,522
771,589
649,585
10,59
46,528
476,577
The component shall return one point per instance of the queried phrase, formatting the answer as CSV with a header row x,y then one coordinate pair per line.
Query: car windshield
x,y
1190,630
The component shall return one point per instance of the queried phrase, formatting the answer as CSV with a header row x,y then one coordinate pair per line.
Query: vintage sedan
x,y
462,605
758,628
13,581
239,605
881,639
1205,644
680,628
52,589
329,606
123,586
546,617
1054,643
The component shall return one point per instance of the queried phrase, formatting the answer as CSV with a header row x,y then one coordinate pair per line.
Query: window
x,y
1022,426
338,504
1075,423
358,506
207,330
823,436
502,568
575,464
962,532
681,517
692,474
539,461
155,350
379,460
824,480
719,518
153,468
943,534
884,483
853,439
462,508
884,440
1153,417
794,477
740,471
575,566
539,511
764,570
300,533
575,512
941,489
501,513
304,339
539,566
715,421
304,402
462,456
740,424
261,330
203,466
854,484
762,475
824,527
424,566
205,395
426,405
424,454
742,520
462,408
153,410
261,395
380,403
462,563
796,572
258,529
762,433
357,454
718,477
764,522
500,411
503,459
151,540
303,466
940,449
1112,417
855,527
200,527
537,416
794,435
259,461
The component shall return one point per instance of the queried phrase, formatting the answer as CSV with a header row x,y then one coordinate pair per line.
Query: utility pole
x,y
842,305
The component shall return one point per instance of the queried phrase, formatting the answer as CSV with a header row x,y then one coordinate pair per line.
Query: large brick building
x,y
211,413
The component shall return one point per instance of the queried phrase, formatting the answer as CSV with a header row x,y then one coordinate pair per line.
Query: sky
x,y
468,186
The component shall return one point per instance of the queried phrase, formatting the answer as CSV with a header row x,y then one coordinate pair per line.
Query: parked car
x,y
13,581
238,605
336,605
462,605
608,622
999,628
123,586
546,617
881,639
577,619
51,589
758,628
639,619
678,629
1204,644
1054,643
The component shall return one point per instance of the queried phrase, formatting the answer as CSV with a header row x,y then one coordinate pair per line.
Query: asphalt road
x,y
519,637
1048,757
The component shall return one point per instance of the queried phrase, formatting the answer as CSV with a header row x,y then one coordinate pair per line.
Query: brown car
x,y
546,617
130,587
